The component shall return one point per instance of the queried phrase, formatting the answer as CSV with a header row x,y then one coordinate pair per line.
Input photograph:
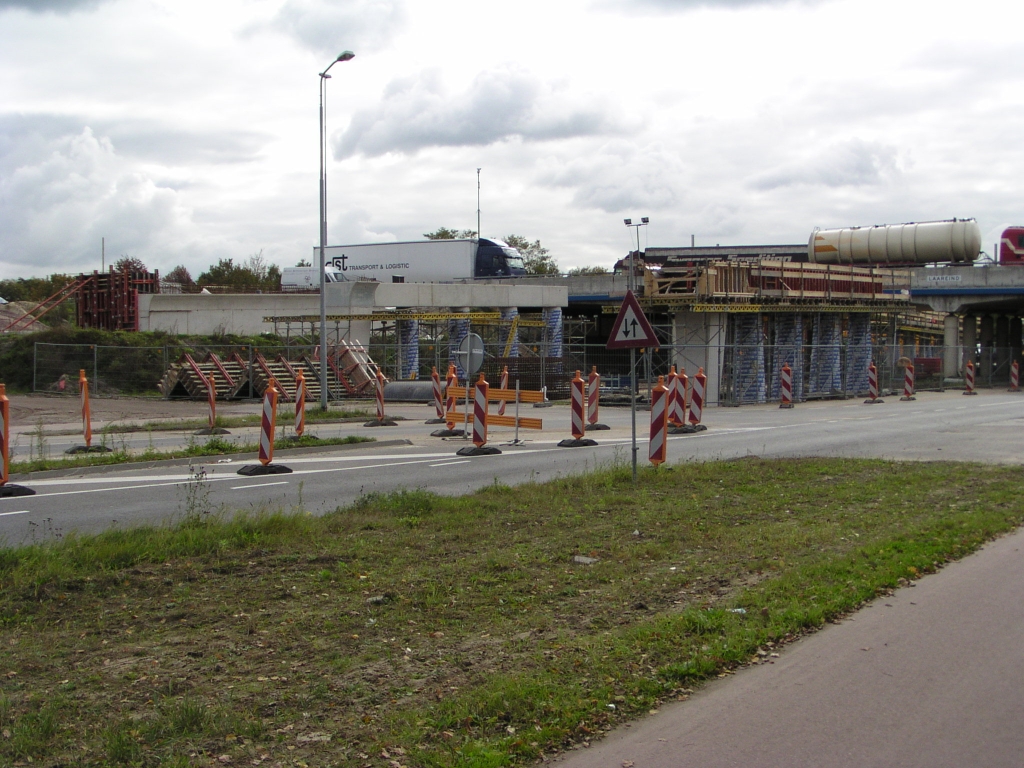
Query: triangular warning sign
x,y
631,328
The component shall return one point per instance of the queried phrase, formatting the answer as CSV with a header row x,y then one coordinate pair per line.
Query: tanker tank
x,y
954,240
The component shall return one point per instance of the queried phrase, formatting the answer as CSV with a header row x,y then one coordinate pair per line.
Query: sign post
x,y
632,331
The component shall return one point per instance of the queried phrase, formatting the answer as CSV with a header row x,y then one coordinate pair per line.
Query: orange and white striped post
x,y
300,403
676,399
786,387
211,397
908,383
435,387
593,395
480,412
452,380
969,378
700,382
268,424
502,384
658,447
380,395
83,386
872,384
576,390
1015,377
5,434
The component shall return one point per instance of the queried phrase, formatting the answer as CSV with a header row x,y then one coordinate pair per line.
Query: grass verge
x,y
215,446
485,630
285,412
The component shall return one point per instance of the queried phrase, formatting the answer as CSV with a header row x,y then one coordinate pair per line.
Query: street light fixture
x,y
631,284
324,77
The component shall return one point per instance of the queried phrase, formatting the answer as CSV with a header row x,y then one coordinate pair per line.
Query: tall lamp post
x,y
324,77
631,284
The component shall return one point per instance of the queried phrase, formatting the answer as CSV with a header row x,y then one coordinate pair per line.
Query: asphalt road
x,y
935,426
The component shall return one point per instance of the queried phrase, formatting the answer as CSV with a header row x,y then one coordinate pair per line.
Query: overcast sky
x,y
184,131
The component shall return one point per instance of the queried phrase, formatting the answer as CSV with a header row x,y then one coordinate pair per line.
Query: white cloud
x,y
331,26
850,163
499,105
50,6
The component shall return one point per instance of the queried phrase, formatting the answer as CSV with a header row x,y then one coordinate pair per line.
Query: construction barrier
x,y
700,382
451,383
480,418
211,399
872,385
458,394
576,392
676,399
300,404
502,384
786,386
1015,377
969,379
658,446
908,383
594,401
381,420
268,424
437,392
7,490
83,387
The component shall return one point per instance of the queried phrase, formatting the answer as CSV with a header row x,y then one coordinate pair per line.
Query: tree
x,y
538,260
129,264
588,271
253,275
180,274
444,233
303,263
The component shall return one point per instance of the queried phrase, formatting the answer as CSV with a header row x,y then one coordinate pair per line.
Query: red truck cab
x,y
1011,246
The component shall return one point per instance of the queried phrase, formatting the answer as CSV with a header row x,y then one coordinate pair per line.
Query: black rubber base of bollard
x,y
448,433
596,427
214,431
10,490
577,442
436,421
381,423
478,450
869,401
89,449
687,429
785,405
974,393
255,470
545,404
905,399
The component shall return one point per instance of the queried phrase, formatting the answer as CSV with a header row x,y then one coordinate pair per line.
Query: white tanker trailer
x,y
915,243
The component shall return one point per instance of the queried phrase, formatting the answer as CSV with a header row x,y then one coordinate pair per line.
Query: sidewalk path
x,y
931,676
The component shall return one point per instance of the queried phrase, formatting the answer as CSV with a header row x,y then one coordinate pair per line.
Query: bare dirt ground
x,y
29,410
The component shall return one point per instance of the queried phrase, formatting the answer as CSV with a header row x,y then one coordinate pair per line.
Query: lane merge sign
x,y
631,328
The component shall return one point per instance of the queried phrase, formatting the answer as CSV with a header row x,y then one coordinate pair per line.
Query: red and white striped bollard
x,y
872,385
908,383
1015,377
502,384
480,412
5,434
593,396
697,397
576,389
676,399
786,386
268,424
658,446
83,385
452,380
380,395
300,403
969,379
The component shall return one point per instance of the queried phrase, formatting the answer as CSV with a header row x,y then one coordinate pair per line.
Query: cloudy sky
x,y
184,131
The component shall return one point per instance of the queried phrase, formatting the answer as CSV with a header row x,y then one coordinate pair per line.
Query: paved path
x,y
931,676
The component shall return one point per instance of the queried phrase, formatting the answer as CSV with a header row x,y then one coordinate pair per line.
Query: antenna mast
x,y
478,235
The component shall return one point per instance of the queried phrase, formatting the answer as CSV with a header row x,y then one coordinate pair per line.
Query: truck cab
x,y
495,258
1011,246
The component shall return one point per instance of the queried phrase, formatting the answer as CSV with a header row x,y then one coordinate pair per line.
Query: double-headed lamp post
x,y
324,77
631,284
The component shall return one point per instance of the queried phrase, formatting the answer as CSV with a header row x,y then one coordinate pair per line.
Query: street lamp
x,y
324,77
631,284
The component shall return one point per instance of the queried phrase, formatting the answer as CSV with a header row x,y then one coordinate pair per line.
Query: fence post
x,y
35,356
95,365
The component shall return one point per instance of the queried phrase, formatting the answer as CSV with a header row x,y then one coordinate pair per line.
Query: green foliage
x,y
255,274
589,271
37,289
445,233
180,274
537,258
129,264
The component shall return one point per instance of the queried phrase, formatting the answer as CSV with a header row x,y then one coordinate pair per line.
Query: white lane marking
x,y
19,512
451,463
261,485
993,405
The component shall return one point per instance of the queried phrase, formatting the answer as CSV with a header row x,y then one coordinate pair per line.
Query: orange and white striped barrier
x,y
578,408
594,401
381,420
300,403
700,382
502,384
1015,377
83,387
517,396
448,413
437,392
908,383
872,385
480,418
786,386
211,398
676,413
452,382
268,427
969,379
658,446
7,490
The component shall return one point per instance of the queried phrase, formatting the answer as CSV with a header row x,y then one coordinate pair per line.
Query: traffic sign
x,y
471,353
631,327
